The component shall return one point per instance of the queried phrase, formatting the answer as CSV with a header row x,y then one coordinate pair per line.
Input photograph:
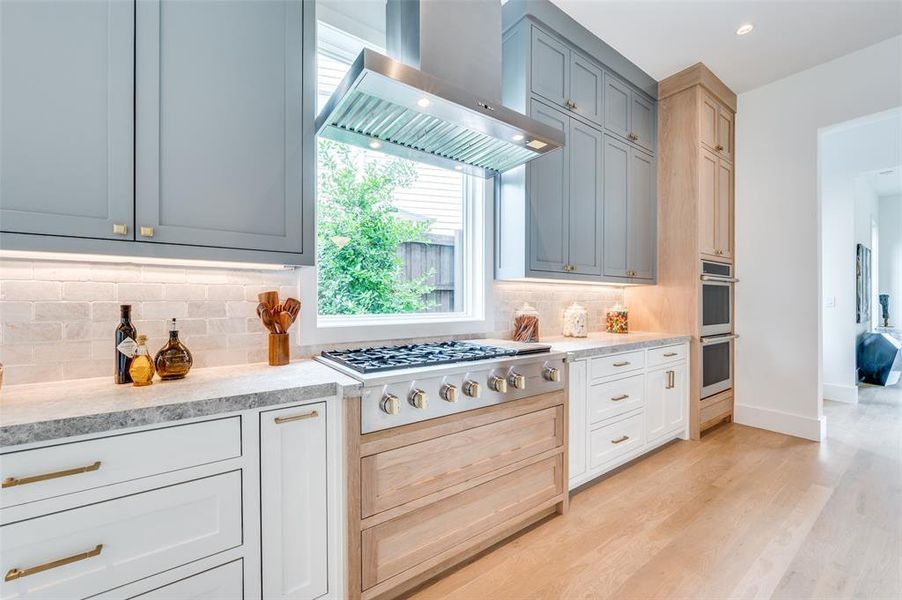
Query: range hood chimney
x,y
436,101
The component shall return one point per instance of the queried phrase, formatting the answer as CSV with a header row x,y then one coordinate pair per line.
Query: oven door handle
x,y
716,279
716,339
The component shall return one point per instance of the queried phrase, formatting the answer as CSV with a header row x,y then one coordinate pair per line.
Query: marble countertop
x,y
599,344
46,411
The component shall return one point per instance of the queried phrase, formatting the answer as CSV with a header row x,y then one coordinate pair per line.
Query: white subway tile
x,y
80,369
16,354
206,310
192,326
247,341
207,276
241,309
111,311
225,292
216,358
139,292
184,291
162,274
49,352
115,273
16,311
225,326
30,290
164,310
61,271
90,291
31,332
16,374
61,311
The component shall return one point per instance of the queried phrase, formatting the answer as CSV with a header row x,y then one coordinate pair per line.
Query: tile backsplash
x,y
57,317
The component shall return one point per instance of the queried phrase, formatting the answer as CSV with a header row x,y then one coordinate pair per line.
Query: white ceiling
x,y
664,37
887,182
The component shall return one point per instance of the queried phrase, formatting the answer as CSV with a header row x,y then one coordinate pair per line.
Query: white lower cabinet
x,y
219,583
623,405
293,502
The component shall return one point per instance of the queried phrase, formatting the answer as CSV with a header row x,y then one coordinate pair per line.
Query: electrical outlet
x,y
830,302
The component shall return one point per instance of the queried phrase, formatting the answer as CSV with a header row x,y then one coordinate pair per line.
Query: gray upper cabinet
x,y
219,132
586,193
550,68
66,123
629,114
630,209
548,198
586,89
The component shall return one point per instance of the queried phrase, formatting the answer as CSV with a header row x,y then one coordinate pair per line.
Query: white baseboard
x,y
781,422
841,393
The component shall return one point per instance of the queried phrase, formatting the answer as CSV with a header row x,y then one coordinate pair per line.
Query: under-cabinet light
x,y
142,260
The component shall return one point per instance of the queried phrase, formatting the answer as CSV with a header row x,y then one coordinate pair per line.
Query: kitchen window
x,y
397,240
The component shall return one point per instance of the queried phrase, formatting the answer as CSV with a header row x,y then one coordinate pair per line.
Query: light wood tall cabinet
x,y
696,150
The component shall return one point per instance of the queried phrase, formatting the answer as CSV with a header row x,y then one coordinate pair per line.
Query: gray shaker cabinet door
x,y
586,89
66,117
548,197
616,106
549,68
616,167
641,216
586,219
642,117
219,123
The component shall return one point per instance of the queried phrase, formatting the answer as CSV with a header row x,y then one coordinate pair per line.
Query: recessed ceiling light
x,y
424,102
518,137
744,29
375,144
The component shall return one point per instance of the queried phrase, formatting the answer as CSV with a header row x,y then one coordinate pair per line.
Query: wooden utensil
x,y
293,306
285,320
266,317
270,299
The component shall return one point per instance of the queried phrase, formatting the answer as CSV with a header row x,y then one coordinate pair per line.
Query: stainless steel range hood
x,y
398,109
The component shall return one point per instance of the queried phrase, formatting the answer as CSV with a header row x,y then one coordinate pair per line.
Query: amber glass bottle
x,y
125,344
174,360
142,366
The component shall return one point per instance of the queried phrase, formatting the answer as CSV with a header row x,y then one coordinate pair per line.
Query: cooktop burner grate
x,y
386,358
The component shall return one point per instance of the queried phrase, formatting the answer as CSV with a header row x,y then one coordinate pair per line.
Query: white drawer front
x,y
220,583
604,366
137,535
667,354
78,466
616,439
614,398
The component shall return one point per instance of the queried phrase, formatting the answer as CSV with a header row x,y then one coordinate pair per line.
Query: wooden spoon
x,y
266,317
285,320
270,299
293,306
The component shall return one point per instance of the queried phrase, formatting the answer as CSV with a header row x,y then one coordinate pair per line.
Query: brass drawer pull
x,y
19,573
621,364
310,415
14,481
120,228
620,397
146,231
671,380
620,440
669,354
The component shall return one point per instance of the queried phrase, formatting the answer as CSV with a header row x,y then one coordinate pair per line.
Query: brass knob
x,y
417,398
471,388
719,148
146,231
498,384
552,374
571,104
120,228
517,381
449,392
390,404
633,136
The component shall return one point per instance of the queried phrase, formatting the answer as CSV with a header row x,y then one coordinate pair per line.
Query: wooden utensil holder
x,y
278,349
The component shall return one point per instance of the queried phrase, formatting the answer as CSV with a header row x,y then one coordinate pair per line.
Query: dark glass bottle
x,y
173,361
125,344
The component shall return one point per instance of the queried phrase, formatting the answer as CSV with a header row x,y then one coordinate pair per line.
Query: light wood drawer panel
x,y
225,582
141,535
402,543
616,439
667,354
614,398
404,474
605,366
122,457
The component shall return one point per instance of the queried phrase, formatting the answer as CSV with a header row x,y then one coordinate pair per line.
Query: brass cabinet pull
x,y
719,147
14,481
633,136
120,228
19,573
621,364
571,104
146,231
620,439
671,383
569,268
620,397
309,415
669,354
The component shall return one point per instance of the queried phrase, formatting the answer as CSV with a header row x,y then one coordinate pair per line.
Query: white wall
x,y
890,278
778,303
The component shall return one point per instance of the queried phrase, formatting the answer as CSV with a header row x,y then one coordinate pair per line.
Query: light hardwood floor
x,y
743,513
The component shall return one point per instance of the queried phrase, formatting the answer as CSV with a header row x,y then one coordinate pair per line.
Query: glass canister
x,y
576,321
526,324
617,319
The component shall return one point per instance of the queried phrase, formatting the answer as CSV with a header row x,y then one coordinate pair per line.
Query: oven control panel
x,y
417,399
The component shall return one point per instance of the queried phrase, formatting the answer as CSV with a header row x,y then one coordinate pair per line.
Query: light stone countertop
x,y
47,411
600,344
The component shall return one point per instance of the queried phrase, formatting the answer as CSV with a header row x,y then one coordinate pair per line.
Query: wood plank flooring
x,y
743,513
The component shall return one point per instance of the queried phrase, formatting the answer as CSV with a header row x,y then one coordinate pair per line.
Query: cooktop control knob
x,y
551,374
498,384
471,388
390,404
517,381
417,398
449,392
